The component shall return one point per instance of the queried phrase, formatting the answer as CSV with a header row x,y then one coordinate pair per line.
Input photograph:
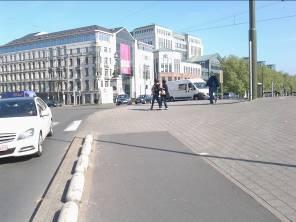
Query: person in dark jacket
x,y
155,93
213,84
164,94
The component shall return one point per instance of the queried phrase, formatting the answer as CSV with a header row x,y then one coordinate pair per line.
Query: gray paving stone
x,y
256,138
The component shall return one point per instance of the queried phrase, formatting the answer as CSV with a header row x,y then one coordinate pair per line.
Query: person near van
x,y
155,94
164,94
213,84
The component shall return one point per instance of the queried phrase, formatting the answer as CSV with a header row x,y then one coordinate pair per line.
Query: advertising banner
x,y
125,59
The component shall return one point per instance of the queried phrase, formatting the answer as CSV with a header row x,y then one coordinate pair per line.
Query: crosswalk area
x,y
73,126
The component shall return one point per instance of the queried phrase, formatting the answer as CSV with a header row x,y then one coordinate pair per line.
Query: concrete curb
x,y
75,189
69,211
82,164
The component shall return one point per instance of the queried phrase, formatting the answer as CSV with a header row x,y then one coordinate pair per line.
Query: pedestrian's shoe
x,y
166,108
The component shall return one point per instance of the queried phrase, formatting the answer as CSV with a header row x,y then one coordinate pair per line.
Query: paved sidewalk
x,y
251,143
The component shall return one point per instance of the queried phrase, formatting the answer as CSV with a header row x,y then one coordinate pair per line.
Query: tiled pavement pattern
x,y
251,143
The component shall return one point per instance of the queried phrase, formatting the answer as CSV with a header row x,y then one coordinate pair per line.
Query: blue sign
x,y
6,95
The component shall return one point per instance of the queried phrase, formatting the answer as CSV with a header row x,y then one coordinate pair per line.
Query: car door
x,y
181,92
45,117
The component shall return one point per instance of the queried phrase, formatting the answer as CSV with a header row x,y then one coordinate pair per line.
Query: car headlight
x,y
26,134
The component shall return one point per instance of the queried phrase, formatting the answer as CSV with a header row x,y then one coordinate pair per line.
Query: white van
x,y
188,89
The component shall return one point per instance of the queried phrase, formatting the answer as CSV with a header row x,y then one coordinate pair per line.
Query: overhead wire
x,y
193,28
246,22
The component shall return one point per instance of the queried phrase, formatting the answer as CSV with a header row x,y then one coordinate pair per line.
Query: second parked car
x,y
123,99
143,99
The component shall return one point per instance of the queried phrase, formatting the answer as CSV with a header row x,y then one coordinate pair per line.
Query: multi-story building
x,y
168,65
73,65
210,64
134,65
144,78
172,52
83,65
164,38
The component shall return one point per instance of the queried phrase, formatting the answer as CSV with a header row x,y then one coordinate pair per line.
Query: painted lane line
x,y
55,123
203,154
73,126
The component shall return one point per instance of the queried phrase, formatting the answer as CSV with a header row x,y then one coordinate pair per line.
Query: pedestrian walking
x,y
155,94
164,94
213,85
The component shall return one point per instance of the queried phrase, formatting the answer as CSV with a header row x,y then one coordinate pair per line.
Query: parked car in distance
x,y
123,99
229,95
52,103
143,99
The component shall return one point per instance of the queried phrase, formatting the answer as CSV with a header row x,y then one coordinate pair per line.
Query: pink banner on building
x,y
125,59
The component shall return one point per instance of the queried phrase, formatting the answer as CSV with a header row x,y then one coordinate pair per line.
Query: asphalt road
x,y
154,177
24,180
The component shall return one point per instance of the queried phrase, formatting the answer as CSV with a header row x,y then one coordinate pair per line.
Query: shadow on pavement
x,y
58,140
199,155
208,104
9,160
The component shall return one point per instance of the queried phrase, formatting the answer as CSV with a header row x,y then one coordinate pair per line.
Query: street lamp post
x,y
262,81
252,50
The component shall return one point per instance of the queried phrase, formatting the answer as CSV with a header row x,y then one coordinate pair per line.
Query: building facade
x,y
73,66
92,64
172,52
210,64
168,65
164,38
134,65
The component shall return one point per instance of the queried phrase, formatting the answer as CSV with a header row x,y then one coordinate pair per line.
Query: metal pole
x,y
250,71
252,39
262,83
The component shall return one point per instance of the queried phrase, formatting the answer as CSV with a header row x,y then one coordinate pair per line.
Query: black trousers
x,y
163,99
155,97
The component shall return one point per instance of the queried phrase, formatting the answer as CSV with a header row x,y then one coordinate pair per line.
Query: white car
x,y
24,124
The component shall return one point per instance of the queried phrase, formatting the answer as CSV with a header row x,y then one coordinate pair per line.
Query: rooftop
x,y
42,35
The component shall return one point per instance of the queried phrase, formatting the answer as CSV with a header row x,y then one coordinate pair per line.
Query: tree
x,y
236,77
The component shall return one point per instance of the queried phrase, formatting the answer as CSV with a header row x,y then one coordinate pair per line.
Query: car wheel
x,y
195,97
50,130
39,152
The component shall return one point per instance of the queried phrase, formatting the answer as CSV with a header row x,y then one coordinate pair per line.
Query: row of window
x,y
53,87
180,46
59,51
165,43
23,66
52,63
143,31
163,32
55,75
195,51
52,42
194,41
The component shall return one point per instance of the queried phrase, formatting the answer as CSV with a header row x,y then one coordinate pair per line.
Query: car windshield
x,y
200,85
17,108
122,96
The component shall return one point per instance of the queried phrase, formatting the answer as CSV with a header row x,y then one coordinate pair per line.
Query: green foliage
x,y
236,77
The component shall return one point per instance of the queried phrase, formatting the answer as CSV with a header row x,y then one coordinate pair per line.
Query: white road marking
x,y
55,123
203,154
73,126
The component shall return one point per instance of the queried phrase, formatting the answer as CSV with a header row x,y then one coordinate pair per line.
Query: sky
x,y
222,25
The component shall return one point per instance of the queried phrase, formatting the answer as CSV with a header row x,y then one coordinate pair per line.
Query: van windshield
x,y
200,85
